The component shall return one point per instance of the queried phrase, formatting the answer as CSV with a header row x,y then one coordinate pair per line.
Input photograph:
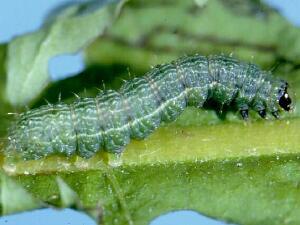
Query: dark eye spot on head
x,y
285,101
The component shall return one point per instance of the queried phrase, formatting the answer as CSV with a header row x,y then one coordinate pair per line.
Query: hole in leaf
x,y
66,65
185,217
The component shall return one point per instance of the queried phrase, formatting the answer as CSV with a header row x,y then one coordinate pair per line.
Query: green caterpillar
x,y
112,118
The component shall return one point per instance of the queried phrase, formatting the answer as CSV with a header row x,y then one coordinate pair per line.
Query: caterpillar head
x,y
284,99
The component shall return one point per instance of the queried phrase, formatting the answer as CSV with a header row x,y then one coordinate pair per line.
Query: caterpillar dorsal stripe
x,y
112,118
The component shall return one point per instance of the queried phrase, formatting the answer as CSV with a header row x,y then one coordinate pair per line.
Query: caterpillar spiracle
x,y
112,118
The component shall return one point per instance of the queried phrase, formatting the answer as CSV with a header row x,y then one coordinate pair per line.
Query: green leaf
x,y
15,198
4,105
255,166
2,60
28,55
178,28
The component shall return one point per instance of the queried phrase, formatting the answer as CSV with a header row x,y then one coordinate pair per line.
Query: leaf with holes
x,y
28,55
